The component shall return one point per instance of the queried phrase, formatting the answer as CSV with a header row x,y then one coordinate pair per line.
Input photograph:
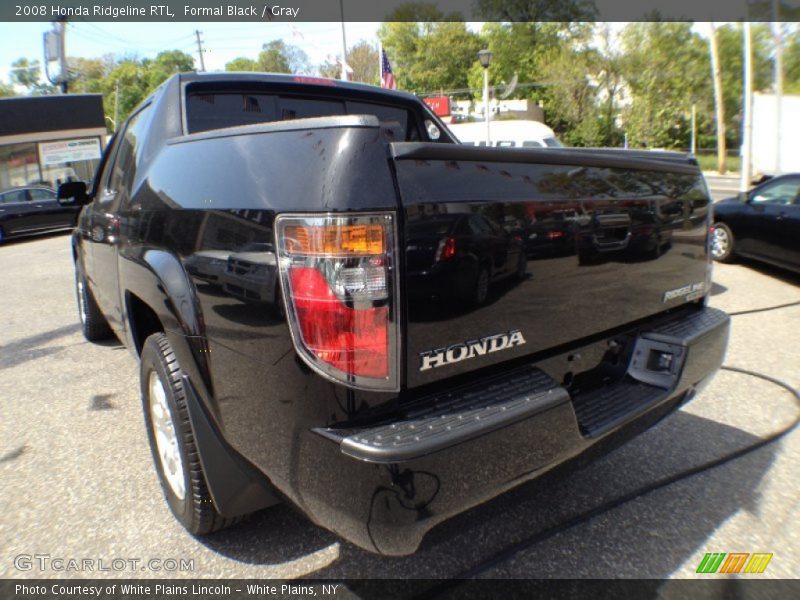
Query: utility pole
x,y
116,104
62,55
747,124
343,76
778,35
694,127
719,102
200,50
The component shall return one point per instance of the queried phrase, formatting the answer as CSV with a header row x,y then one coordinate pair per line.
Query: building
x,y
47,140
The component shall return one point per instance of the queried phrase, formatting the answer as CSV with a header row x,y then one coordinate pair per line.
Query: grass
x,y
708,162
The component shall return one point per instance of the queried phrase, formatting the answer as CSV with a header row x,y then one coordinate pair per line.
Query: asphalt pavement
x,y
77,478
722,186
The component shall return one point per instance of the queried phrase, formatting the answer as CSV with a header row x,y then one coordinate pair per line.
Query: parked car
x,y
376,424
763,224
507,134
33,209
251,274
458,256
208,265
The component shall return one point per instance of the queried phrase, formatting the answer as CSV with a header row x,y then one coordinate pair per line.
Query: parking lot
x,y
78,480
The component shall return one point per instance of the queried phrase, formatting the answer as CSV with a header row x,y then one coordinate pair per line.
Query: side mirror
x,y
743,197
73,193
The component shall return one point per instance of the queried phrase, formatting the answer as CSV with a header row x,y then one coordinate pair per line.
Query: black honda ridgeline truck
x,y
333,304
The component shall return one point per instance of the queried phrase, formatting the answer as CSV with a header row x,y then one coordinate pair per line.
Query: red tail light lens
x,y
339,289
446,249
554,235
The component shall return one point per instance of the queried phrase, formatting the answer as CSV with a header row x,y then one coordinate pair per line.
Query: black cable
x,y
584,517
765,309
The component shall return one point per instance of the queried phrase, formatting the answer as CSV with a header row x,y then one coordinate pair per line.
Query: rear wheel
x,y
93,324
481,290
172,440
522,268
722,243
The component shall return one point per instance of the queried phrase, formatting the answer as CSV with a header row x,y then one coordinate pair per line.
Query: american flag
x,y
387,77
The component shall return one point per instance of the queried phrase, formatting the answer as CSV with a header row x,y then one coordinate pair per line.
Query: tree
x,y
729,38
86,75
27,73
791,63
279,57
666,66
166,64
427,57
362,60
241,63
6,90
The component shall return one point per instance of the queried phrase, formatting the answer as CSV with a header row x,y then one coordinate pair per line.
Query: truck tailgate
x,y
511,252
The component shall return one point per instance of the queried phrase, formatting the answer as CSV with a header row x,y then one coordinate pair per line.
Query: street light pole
x,y
485,56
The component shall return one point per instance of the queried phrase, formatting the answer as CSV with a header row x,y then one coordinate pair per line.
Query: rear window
x,y
205,111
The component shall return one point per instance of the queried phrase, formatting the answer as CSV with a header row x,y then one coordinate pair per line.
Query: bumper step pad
x,y
443,420
601,410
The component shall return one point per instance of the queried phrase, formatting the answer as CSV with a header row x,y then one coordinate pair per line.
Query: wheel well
x,y
143,321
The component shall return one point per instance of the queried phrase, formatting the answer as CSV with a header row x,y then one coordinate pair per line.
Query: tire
x,y
171,438
481,289
522,269
93,324
722,243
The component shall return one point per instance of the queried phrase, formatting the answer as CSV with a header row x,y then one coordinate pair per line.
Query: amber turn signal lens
x,y
334,240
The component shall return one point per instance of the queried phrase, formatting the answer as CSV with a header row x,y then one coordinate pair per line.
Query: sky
x,y
222,41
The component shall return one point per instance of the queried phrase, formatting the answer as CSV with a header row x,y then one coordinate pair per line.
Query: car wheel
x,y
93,324
522,269
722,243
171,439
481,290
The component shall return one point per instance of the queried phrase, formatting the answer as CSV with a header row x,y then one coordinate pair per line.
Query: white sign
x,y
56,153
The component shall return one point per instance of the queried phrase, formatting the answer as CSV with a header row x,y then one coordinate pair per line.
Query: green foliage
x,y
791,63
362,59
241,63
6,90
27,73
427,57
279,57
666,67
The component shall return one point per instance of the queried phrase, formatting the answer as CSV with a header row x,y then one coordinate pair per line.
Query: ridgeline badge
x,y
440,357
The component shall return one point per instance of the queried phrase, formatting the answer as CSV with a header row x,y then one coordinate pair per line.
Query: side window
x,y
778,192
479,226
126,157
506,144
531,144
40,194
13,197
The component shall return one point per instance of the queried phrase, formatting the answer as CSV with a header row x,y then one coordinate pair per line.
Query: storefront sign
x,y
55,153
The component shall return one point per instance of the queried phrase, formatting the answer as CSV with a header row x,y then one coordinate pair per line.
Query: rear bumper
x,y
384,486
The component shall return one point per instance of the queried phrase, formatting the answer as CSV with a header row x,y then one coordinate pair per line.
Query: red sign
x,y
439,104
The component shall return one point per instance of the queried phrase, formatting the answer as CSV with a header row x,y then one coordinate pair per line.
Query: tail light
x,y
554,235
446,249
340,291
